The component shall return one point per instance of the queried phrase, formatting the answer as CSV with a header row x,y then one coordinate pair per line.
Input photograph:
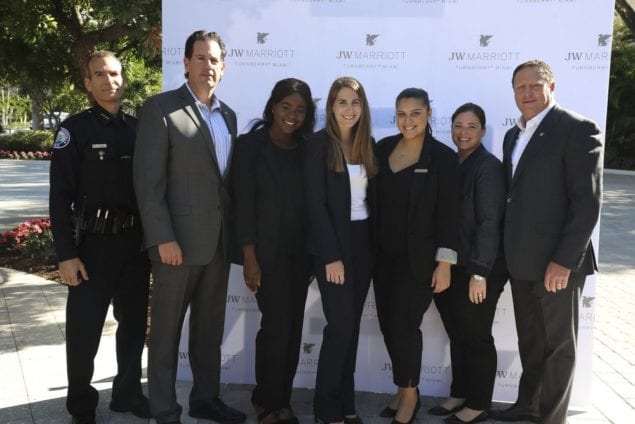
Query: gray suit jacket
x,y
181,194
553,199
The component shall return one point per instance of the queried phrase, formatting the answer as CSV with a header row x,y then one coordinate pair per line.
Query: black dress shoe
x,y
414,413
216,410
139,407
441,411
353,420
515,413
388,412
453,419
83,420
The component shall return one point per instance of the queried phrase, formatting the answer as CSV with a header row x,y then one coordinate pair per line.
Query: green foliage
x,y
27,141
15,108
142,81
620,125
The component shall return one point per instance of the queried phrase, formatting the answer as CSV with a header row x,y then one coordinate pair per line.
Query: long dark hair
x,y
362,151
285,88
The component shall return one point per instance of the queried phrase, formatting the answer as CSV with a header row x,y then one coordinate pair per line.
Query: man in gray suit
x,y
554,177
181,162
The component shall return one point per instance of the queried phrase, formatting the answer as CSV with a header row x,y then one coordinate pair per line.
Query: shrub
x,y
25,141
30,239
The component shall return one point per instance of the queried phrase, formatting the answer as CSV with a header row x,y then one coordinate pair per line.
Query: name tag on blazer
x,y
421,170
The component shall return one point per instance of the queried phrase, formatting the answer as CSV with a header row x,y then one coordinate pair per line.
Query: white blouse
x,y
359,182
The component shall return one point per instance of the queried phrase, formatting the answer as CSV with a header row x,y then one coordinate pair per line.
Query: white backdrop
x,y
459,51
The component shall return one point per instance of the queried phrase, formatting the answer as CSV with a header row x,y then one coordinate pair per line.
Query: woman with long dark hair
x,y
417,203
271,231
339,169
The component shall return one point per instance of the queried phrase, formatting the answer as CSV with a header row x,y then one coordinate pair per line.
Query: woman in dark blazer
x,y
468,309
339,169
417,223
271,229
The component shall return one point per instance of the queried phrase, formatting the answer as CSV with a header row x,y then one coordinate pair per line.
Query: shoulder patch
x,y
62,138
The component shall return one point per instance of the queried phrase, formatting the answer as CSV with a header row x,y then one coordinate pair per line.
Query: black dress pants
x,y
343,306
469,327
281,299
401,301
118,271
547,326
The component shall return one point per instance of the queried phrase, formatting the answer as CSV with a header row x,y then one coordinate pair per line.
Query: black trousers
x,y
204,289
343,306
547,326
469,327
281,299
118,272
401,301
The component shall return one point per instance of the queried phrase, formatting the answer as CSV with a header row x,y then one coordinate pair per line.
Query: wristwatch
x,y
478,277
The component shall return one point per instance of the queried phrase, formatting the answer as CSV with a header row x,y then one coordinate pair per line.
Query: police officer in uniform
x,y
98,241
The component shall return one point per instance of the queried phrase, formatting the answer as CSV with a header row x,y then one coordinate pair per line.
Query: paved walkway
x,y
32,370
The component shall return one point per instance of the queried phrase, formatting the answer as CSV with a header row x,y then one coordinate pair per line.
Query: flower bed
x,y
14,154
29,247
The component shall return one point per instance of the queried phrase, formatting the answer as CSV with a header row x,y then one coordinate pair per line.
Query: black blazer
x,y
482,208
256,181
553,199
433,204
328,195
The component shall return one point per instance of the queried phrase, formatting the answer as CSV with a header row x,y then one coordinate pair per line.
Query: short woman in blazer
x,y
417,234
468,309
339,169
271,231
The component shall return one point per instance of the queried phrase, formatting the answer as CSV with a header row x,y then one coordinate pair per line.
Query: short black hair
x,y
471,107
202,35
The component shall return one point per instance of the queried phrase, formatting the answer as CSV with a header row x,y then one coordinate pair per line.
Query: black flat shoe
x,y
453,419
353,420
414,413
388,412
441,411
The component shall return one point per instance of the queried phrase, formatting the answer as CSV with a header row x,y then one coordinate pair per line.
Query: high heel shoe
x,y
414,413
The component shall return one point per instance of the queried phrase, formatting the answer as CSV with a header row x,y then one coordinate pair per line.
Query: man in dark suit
x,y
181,162
554,176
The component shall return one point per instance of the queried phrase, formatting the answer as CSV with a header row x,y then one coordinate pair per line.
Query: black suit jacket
x,y
328,195
553,199
256,181
482,208
433,205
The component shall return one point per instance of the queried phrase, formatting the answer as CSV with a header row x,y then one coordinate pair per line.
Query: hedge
x,y
27,141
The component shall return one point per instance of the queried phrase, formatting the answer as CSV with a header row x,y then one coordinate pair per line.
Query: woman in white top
x,y
339,170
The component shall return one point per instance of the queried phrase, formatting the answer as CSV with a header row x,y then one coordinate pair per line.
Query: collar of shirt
x,y
106,117
536,120
201,105
526,133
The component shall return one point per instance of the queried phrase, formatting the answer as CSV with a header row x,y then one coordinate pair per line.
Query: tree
x,y
43,51
620,123
626,10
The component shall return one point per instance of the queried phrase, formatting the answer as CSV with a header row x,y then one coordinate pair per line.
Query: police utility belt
x,y
106,221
